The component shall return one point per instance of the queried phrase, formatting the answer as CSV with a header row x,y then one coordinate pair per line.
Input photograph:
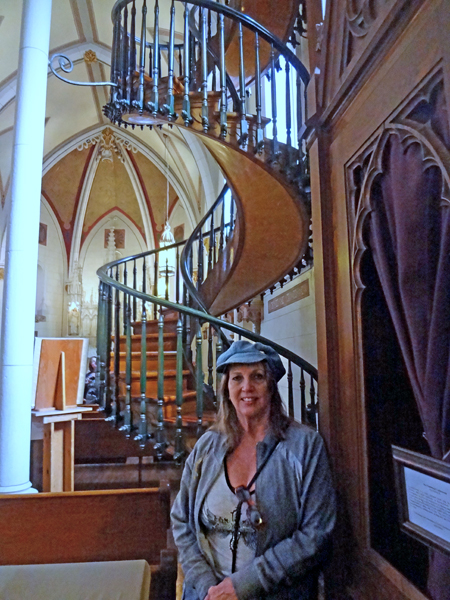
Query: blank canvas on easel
x,y
60,365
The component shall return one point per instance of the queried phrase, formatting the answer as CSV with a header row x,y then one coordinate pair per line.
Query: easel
x,y
56,420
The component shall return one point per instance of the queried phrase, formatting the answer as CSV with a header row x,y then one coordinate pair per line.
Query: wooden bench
x,y
91,526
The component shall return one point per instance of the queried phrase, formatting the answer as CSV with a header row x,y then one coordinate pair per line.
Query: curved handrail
x,y
187,277
245,20
202,316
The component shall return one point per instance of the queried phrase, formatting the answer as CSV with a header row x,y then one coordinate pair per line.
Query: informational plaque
x,y
423,492
298,292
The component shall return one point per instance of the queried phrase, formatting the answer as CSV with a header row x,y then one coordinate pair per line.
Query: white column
x,y
16,363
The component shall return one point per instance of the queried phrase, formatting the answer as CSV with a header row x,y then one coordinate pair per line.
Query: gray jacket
x,y
295,499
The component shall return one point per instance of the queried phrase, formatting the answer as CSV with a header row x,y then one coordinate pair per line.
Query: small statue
x,y
73,321
90,389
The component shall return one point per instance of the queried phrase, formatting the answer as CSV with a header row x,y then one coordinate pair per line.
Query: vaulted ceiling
x,y
76,175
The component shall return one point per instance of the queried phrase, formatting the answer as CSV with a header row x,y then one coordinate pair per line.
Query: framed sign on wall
x,y
423,494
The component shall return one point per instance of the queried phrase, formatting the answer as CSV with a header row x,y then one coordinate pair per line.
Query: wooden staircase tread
x,y
170,398
167,318
186,396
192,419
149,353
168,373
137,336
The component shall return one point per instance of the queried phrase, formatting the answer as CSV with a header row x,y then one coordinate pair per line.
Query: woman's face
x,y
249,392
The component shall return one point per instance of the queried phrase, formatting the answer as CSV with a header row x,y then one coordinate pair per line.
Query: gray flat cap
x,y
244,352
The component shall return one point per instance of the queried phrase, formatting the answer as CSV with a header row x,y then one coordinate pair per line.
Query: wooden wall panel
x,y
405,42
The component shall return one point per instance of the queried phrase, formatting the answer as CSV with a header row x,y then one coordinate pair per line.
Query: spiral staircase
x,y
162,314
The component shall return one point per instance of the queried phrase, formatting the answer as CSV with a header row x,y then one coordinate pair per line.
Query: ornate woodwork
x,y
382,90
415,122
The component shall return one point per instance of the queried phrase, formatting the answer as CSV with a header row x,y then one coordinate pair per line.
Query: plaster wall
x,y
50,284
294,326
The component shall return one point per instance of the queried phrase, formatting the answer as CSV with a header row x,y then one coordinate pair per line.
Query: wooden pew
x,y
91,526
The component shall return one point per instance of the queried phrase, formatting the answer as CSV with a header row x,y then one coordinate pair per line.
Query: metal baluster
x,y
144,276
169,107
200,274
219,349
242,109
223,80
167,279
101,345
214,74
188,348
126,427
192,61
179,440
232,214
130,73
215,246
205,114
288,117
143,435
186,112
184,316
211,245
142,58
302,397
312,407
180,64
132,59
115,59
155,284
290,391
109,299
191,267
160,440
210,356
125,54
156,57
150,61
116,405
134,287
177,280
299,120
222,226
230,223
273,89
126,299
121,56
199,375
259,140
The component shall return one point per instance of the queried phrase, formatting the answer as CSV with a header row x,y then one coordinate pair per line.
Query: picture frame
x,y
423,497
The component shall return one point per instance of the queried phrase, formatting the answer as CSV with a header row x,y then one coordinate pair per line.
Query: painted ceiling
x,y
136,186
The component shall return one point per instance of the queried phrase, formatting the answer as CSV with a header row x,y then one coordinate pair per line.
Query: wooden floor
x,y
134,473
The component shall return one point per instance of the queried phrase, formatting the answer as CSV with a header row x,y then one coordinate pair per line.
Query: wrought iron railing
x,y
204,81
174,341
157,344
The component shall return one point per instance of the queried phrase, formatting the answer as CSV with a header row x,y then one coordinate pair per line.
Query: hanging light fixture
x,y
167,258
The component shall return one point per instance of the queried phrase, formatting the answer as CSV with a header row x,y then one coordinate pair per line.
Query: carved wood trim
x,y
362,172
360,15
342,77
369,163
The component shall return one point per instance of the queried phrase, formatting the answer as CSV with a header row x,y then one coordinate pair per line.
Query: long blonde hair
x,y
227,422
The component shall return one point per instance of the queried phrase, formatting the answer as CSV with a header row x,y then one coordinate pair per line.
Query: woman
x,y
256,507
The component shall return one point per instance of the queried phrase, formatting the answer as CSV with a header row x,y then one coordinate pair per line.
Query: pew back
x,y
89,527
